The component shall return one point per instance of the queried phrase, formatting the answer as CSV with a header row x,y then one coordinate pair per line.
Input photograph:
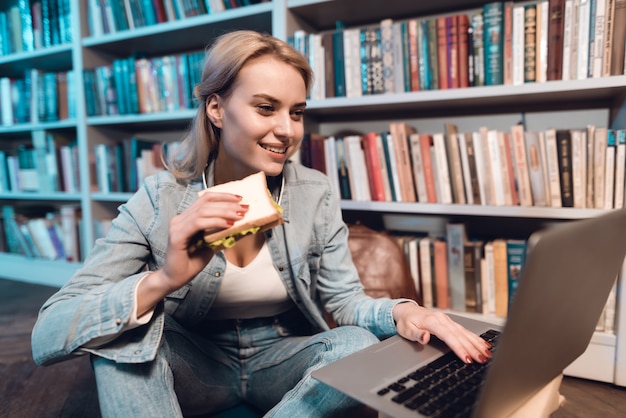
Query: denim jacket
x,y
310,252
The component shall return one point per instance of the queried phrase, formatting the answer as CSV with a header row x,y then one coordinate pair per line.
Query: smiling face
x,y
261,121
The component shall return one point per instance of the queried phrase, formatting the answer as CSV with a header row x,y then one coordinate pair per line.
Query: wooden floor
x,y
68,389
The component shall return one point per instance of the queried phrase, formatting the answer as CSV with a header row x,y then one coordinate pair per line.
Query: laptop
x,y
569,271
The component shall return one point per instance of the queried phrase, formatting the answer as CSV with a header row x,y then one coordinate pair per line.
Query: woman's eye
x,y
265,108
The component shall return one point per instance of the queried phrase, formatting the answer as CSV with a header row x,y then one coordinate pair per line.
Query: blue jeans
x,y
265,362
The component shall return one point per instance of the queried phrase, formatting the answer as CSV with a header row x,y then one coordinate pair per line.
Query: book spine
x,y
555,39
552,164
493,23
564,151
516,256
387,48
530,45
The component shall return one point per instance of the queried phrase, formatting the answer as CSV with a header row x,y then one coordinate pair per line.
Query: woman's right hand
x,y
184,259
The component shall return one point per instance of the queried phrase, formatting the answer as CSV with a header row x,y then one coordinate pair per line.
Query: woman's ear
x,y
214,110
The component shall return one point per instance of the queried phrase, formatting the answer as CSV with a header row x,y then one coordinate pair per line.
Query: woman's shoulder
x,y
296,172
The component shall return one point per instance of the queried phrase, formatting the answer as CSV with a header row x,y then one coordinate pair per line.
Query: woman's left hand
x,y
417,323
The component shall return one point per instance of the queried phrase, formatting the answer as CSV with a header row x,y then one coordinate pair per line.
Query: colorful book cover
x,y
455,238
493,29
516,255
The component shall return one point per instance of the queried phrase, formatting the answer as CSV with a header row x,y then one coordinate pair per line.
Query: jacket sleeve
x,y
98,300
340,287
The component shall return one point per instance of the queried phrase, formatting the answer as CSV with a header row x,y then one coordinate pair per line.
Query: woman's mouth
x,y
277,150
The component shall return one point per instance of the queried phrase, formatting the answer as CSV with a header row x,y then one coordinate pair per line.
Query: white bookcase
x,y
597,101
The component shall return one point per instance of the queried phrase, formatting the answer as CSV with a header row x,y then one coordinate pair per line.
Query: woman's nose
x,y
284,125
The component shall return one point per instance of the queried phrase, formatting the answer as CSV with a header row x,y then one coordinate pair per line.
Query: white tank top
x,y
253,291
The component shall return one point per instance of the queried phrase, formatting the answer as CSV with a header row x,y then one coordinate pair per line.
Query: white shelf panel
x,y
417,209
39,271
598,91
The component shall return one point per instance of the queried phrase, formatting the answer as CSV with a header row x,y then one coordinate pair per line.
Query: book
x,y
596,58
482,166
620,166
359,184
426,144
452,50
501,277
470,169
496,174
609,176
400,132
442,52
488,279
442,173
414,53
516,255
343,170
419,176
426,271
530,43
493,27
374,169
518,45
542,41
600,141
553,171
522,173
472,256
556,12
392,166
536,172
609,30
477,50
619,38
463,49
440,270
454,162
507,50
70,220
398,57
455,240
338,63
579,167
564,153
352,58
506,148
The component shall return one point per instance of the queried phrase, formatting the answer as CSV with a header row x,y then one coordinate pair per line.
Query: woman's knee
x,y
349,339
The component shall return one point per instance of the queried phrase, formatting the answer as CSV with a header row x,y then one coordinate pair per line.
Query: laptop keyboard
x,y
447,387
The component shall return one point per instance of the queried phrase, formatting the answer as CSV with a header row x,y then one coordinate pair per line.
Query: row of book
x,y
503,43
123,166
49,163
110,16
581,168
46,164
29,25
52,234
481,276
40,96
143,85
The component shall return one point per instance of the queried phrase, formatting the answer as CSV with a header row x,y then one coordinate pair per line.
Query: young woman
x,y
173,329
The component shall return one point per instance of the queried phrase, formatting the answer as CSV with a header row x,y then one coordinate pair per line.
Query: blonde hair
x,y
223,61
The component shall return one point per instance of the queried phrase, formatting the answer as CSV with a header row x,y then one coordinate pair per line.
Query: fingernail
x,y
482,358
468,359
230,222
240,213
238,197
244,206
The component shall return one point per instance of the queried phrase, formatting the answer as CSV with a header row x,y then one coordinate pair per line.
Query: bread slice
x,y
262,215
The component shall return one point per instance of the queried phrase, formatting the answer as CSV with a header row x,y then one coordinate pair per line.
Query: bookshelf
x,y
595,100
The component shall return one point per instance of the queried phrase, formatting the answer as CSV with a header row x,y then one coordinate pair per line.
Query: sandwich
x,y
264,213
